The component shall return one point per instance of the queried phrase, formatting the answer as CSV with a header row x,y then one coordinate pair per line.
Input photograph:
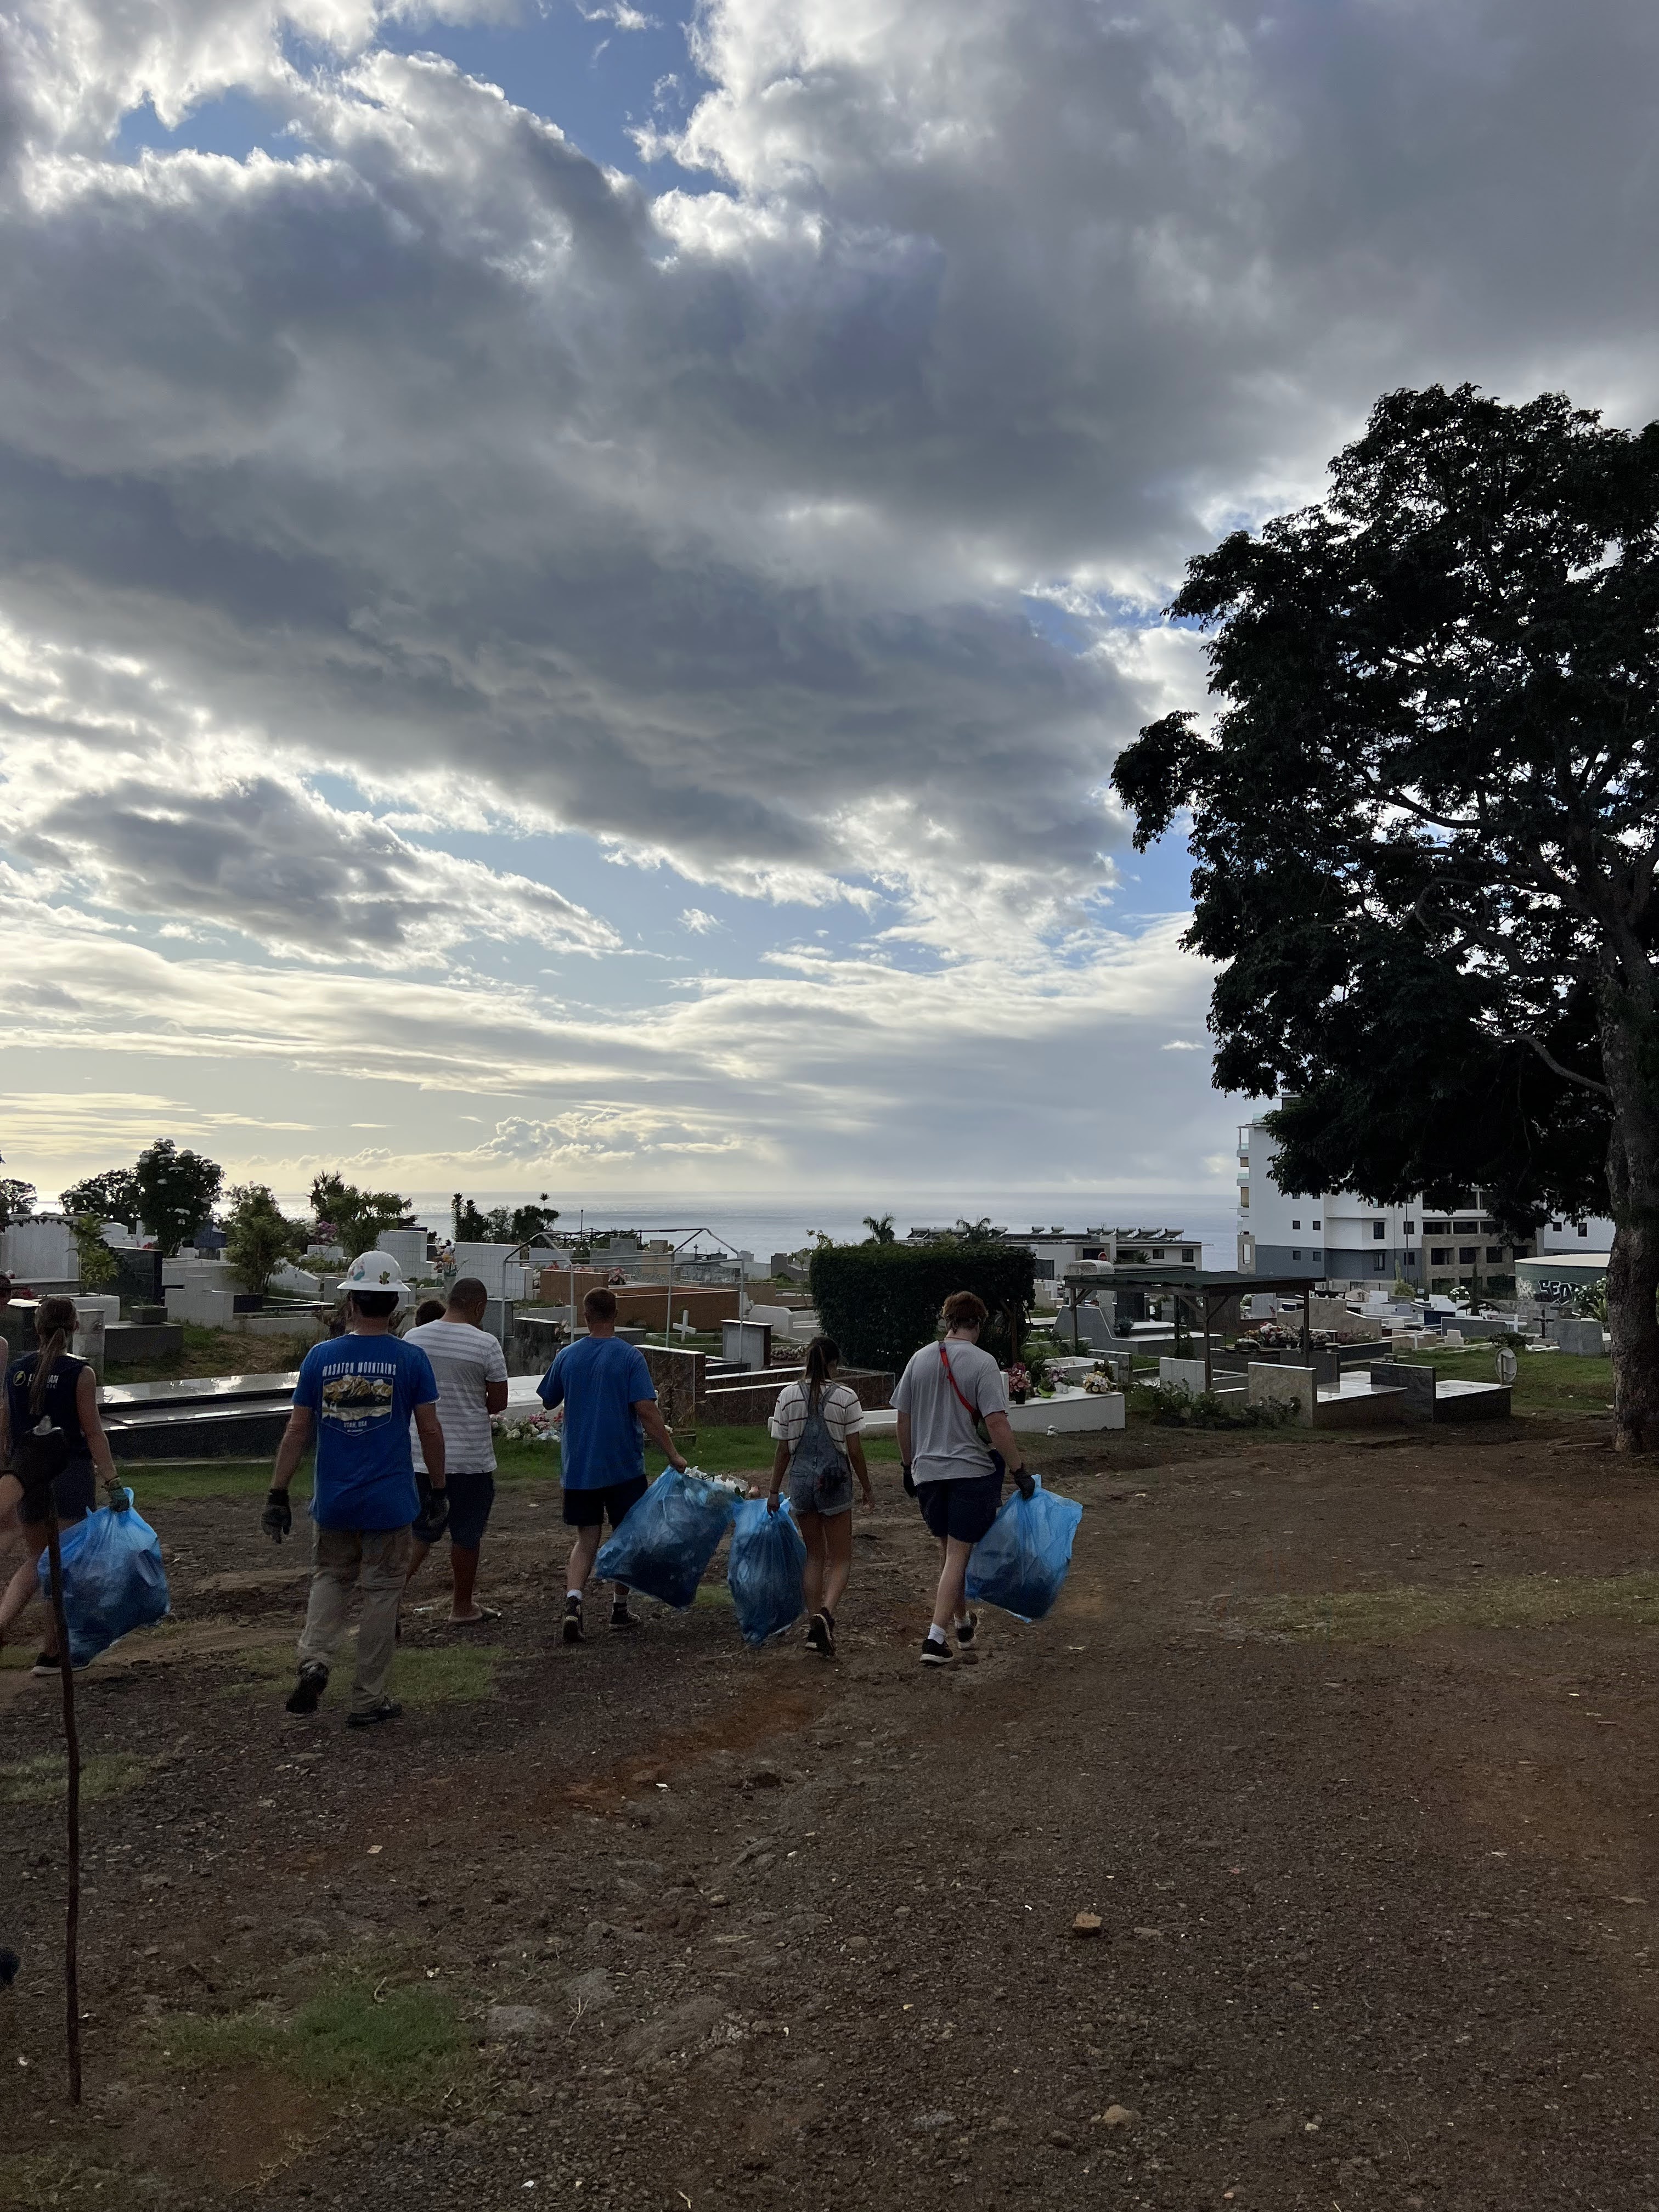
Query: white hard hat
x,y
375,1271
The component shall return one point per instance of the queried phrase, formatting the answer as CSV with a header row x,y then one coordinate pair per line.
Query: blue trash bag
x,y
667,1540
1023,1558
763,1573
113,1579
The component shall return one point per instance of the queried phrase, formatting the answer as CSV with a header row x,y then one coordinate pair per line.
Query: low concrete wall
x,y
1269,1384
1581,1340
1418,1382
125,1342
1186,1374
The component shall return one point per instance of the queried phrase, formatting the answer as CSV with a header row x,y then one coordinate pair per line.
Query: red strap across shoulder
x,y
972,1412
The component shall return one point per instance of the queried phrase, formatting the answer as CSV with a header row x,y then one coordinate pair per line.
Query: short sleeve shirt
x,y
598,1380
362,1391
843,1416
464,1359
944,1446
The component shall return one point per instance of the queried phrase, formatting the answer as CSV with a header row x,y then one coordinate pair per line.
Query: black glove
x,y
909,1483
277,1519
1022,1480
433,1516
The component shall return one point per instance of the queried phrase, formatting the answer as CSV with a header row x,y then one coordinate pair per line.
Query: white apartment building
x,y
1054,1250
1339,1238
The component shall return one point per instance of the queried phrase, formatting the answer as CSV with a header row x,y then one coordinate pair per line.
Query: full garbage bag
x,y
1023,1558
763,1573
667,1540
113,1578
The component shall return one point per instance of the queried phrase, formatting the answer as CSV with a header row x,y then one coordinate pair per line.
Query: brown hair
x,y
600,1304
428,1310
54,1326
821,1354
963,1309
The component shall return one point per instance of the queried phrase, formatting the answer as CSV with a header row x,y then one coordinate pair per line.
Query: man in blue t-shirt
x,y
357,1394
610,1409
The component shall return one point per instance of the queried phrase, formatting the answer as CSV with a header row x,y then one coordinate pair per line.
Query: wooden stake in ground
x,y
72,1805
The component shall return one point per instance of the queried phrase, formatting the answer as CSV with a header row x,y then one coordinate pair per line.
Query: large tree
x,y
356,1217
176,1192
112,1196
1423,826
259,1237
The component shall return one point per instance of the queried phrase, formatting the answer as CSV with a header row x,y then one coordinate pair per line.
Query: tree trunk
x,y
1627,1053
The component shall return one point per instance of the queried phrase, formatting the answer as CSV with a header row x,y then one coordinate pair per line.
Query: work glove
x,y
433,1516
1022,1480
277,1519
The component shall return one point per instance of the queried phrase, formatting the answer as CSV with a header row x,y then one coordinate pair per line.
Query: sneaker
x,y
820,1636
571,1631
387,1710
308,1691
936,1652
621,1618
47,1662
10,1963
964,1630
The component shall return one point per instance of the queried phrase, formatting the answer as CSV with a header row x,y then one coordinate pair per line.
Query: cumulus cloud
x,y
792,518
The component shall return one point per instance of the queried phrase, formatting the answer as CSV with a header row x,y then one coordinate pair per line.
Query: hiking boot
x,y
572,1629
621,1618
936,1652
820,1636
965,1631
387,1710
307,1692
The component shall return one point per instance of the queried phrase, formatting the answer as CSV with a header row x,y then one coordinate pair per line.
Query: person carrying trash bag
x,y
49,1384
356,1394
950,1391
816,1422
610,1408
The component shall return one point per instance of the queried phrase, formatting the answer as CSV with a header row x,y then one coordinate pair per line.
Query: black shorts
x,y
76,1490
963,1509
471,1497
587,1508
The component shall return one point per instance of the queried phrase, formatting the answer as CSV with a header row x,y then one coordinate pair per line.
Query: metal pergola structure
x,y
1209,1289
685,1236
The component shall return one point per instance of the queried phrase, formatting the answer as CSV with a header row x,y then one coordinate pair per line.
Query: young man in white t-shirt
x,y
472,1371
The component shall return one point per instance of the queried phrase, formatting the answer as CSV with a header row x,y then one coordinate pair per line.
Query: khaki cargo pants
x,y
378,1559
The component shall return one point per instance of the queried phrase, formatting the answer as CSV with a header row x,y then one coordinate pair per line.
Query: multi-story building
x,y
1054,1250
1336,1237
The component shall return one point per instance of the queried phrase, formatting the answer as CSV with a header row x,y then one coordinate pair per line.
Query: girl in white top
x,y
816,1422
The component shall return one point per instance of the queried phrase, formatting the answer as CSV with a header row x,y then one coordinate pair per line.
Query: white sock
x,y
575,1594
935,1633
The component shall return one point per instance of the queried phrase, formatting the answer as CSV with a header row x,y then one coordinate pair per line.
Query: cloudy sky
x,y
571,577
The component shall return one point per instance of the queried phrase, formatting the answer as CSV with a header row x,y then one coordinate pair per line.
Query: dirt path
x,y
1380,1916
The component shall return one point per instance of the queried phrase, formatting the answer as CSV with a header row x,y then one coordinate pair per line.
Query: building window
x,y
1408,1229
1317,1224
1044,1270
1437,1228
1583,1229
1468,1254
1189,1254
1379,1230
1379,1262
1244,1200
1494,1252
1295,1254
1465,1228
1296,1224
1440,1257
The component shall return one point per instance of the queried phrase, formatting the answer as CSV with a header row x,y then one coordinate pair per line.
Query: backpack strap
x,y
972,1412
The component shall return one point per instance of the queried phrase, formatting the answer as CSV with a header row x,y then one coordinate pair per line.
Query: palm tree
x,y
880,1226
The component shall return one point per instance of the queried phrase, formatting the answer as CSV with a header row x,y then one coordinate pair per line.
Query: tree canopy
x,y
112,1196
1423,825
355,1216
176,1191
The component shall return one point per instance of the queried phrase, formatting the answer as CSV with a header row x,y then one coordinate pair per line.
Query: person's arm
x,y
292,1449
495,1395
780,1467
855,1454
92,1424
429,1430
494,1378
904,1438
649,1416
1000,1430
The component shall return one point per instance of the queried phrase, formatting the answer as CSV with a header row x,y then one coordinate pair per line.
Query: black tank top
x,y
59,1402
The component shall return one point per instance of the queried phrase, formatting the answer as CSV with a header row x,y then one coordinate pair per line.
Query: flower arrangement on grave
x,y
538,1428
1019,1382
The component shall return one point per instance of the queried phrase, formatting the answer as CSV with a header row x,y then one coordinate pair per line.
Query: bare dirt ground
x,y
1379,1888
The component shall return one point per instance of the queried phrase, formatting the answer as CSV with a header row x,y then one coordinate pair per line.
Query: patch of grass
x,y
421,1674
1504,1601
712,1594
163,1481
1545,1383
40,1780
214,1351
388,2041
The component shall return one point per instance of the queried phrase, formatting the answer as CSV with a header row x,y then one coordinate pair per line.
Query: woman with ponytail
x,y
50,1384
816,1422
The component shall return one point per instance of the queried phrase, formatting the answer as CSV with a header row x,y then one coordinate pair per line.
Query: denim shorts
x,y
829,1494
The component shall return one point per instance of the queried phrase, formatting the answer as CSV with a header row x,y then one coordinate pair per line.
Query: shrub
x,y
1172,1408
881,1302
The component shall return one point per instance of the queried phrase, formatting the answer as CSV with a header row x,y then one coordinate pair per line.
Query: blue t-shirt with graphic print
x,y
362,1391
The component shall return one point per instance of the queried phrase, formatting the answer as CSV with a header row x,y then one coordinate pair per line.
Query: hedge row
x,y
881,1302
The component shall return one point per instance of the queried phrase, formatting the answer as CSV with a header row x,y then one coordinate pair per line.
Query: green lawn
x,y
1547,1382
